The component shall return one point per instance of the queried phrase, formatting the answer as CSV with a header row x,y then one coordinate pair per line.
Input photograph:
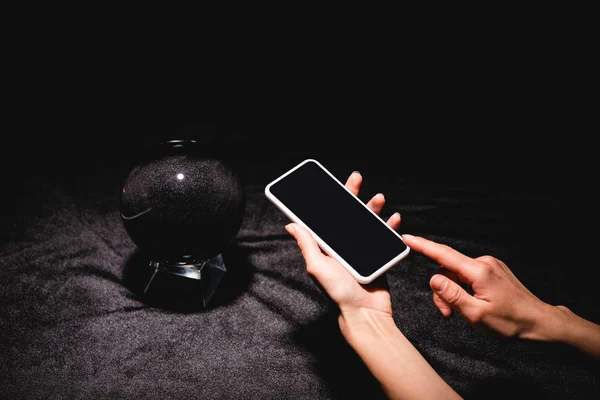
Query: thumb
x,y
455,296
308,245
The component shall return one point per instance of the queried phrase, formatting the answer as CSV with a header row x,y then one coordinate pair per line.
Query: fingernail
x,y
357,173
438,283
406,235
289,228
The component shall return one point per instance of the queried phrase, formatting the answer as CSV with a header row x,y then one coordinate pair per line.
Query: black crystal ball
x,y
178,203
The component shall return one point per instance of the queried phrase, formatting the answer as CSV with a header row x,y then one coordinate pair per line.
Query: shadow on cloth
x,y
504,388
335,361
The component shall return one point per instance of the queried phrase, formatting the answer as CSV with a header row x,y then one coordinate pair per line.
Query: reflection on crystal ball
x,y
180,203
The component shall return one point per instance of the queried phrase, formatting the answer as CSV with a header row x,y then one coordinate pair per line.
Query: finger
x,y
354,181
394,221
455,296
445,308
464,266
328,275
308,245
377,203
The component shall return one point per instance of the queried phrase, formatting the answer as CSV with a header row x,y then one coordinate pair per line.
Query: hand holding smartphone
x,y
343,226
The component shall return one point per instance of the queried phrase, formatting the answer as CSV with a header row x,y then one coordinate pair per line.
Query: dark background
x,y
500,183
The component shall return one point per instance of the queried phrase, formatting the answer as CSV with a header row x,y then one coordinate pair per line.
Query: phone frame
x,y
322,244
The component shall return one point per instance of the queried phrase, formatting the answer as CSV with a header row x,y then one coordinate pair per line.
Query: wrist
x,y
552,324
559,324
362,323
390,356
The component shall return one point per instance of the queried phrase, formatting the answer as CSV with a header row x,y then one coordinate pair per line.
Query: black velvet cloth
x,y
73,322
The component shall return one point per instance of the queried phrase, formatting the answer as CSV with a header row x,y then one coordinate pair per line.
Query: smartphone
x,y
343,226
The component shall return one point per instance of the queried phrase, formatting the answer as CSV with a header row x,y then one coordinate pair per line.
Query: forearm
x,y
399,367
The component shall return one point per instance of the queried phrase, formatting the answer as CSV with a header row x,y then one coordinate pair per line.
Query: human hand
x,y
500,302
366,320
353,298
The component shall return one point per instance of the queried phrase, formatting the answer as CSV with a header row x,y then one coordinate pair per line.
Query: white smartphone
x,y
343,226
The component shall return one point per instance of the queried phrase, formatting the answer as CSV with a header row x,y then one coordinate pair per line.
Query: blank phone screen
x,y
340,219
